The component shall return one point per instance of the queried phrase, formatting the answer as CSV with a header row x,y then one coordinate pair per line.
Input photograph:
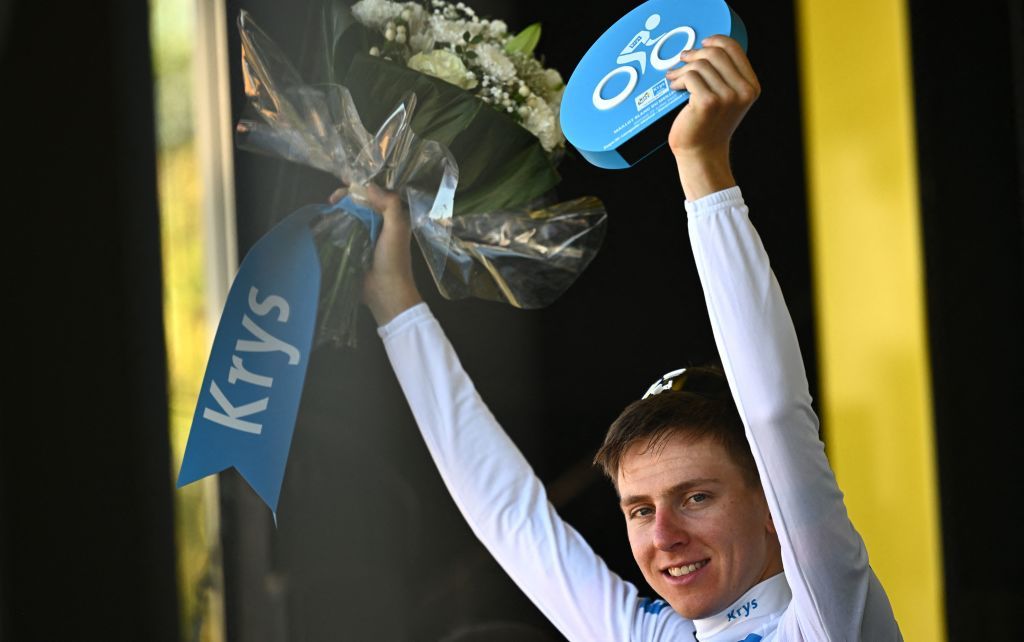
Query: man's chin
x,y
693,602
694,606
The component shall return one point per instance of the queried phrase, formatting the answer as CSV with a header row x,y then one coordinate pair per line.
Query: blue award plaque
x,y
618,107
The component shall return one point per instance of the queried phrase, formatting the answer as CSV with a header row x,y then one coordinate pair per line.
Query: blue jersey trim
x,y
647,605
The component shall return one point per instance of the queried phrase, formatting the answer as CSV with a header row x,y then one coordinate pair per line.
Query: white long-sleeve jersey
x,y
827,592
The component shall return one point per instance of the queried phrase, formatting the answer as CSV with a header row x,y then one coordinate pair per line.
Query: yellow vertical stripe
x,y
868,268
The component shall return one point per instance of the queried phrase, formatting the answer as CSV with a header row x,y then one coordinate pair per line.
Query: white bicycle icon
x,y
631,55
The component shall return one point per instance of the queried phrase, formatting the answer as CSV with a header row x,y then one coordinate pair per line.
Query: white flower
x,y
542,122
497,28
374,51
376,13
382,14
400,37
554,99
444,65
494,61
420,42
552,79
445,30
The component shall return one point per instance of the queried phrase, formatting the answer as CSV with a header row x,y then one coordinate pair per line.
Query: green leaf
x,y
343,39
525,41
335,20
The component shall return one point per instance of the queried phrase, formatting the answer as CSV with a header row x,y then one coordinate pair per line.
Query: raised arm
x,y
835,594
490,481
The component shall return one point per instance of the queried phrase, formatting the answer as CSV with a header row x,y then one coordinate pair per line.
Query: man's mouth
x,y
686,569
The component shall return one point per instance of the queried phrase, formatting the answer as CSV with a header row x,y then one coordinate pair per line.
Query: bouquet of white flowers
x,y
467,132
483,93
449,41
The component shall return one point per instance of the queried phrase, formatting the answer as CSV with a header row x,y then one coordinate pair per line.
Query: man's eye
x,y
698,498
643,511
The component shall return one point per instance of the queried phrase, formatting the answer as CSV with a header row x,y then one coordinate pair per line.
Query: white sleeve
x,y
505,503
836,595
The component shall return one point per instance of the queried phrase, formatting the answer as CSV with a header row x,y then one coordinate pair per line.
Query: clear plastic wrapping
x,y
526,258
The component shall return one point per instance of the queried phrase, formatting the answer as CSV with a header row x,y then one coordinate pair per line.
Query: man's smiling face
x,y
701,534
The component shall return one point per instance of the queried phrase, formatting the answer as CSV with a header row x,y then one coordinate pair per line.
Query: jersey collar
x,y
750,614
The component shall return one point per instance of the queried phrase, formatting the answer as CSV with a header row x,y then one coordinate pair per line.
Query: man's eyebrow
x,y
681,487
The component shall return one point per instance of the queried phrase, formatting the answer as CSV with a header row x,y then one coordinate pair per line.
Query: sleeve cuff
x,y
714,202
404,320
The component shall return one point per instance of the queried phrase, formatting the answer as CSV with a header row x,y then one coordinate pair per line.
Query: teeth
x,y
679,571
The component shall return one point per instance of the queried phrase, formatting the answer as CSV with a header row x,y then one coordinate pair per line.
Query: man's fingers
x,y
693,83
726,68
722,88
337,195
737,55
386,203
711,78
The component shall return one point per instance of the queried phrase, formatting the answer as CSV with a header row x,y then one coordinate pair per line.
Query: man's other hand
x,y
722,87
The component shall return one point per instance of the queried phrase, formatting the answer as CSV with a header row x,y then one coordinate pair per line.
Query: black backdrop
x,y
369,546
86,521
970,133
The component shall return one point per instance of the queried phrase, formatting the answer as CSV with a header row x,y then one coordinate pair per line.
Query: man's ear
x,y
769,523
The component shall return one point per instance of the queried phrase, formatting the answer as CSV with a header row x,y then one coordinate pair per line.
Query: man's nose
x,y
669,531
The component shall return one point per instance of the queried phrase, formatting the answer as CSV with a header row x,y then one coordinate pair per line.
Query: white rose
x,y
542,122
552,79
444,65
554,98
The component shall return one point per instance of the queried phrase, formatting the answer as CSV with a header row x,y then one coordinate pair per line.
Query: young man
x,y
745,543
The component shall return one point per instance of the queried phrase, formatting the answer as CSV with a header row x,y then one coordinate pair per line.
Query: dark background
x,y
970,136
369,547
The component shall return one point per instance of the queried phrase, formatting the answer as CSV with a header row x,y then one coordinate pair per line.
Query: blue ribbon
x,y
249,400
369,218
